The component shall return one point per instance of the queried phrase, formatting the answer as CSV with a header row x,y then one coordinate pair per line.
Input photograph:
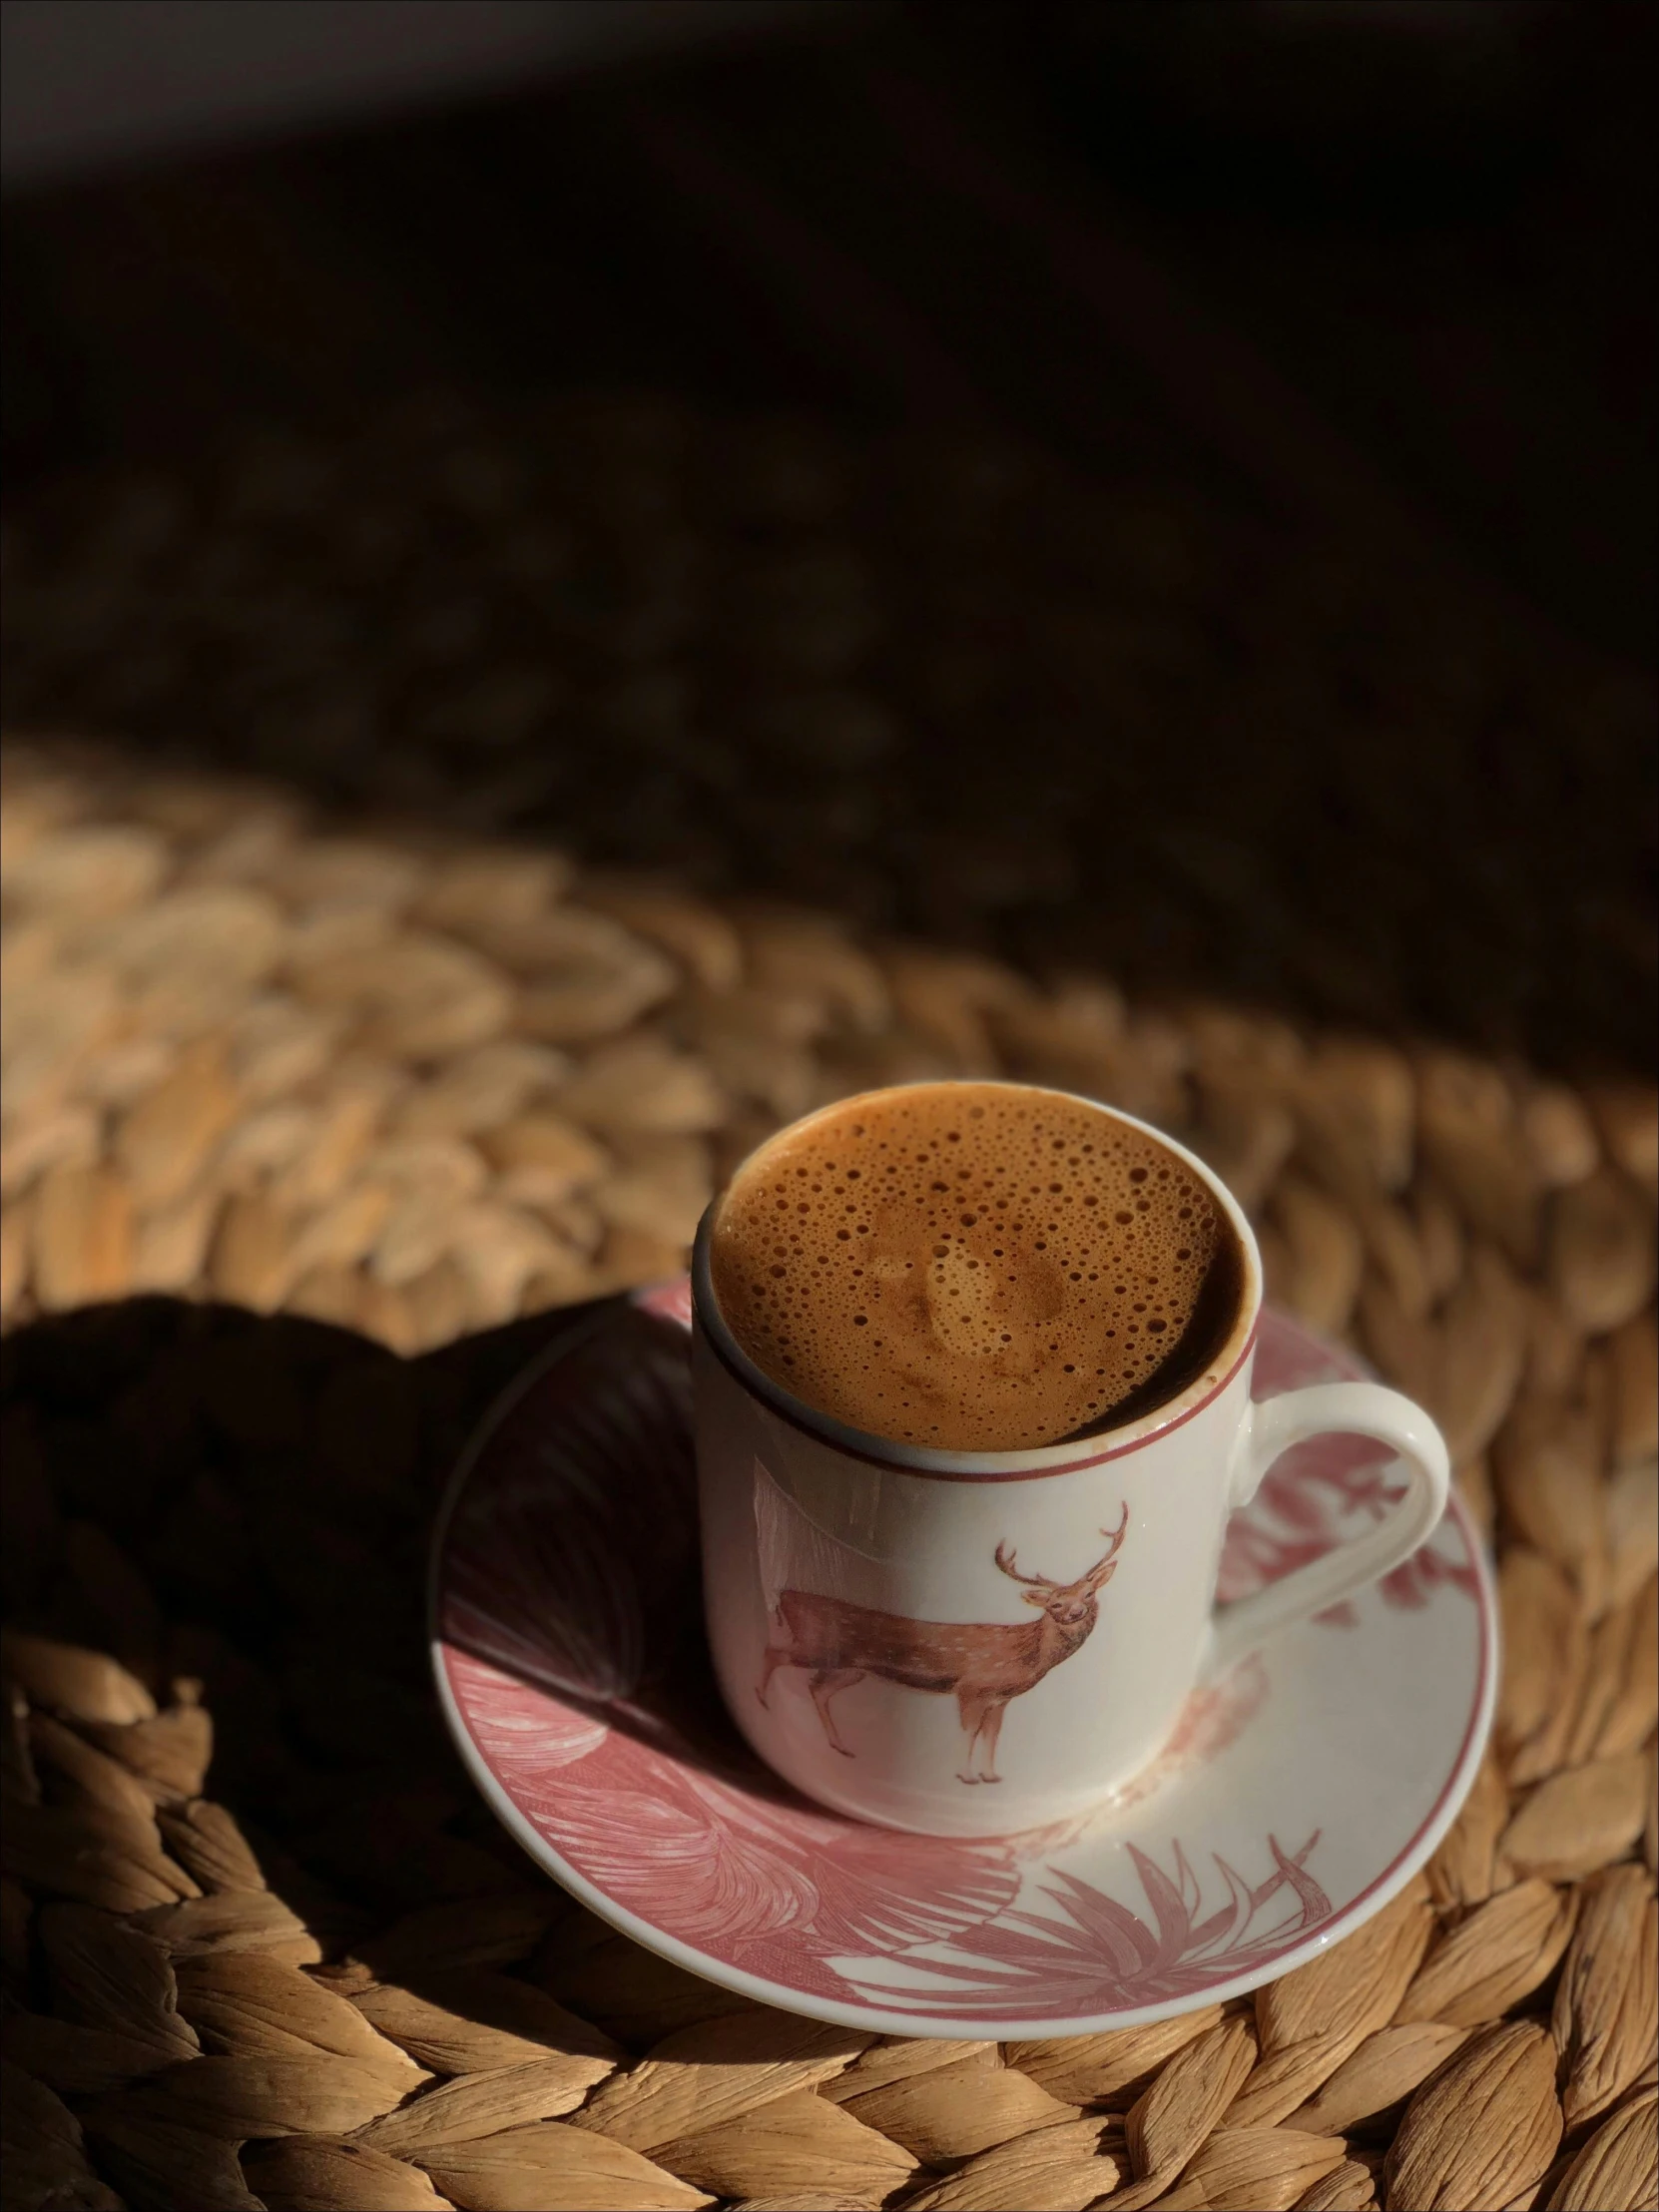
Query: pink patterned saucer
x,y
1295,1800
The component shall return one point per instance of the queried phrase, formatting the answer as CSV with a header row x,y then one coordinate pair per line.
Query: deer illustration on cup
x,y
983,1664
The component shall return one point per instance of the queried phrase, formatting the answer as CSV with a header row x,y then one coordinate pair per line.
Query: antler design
x,y
1098,1573
1006,1558
1005,1561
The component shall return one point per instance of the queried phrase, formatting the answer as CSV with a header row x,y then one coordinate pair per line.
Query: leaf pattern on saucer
x,y
769,1886
557,1570
1093,1955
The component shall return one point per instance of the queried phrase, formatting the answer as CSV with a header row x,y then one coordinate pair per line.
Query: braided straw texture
x,y
935,681
393,1092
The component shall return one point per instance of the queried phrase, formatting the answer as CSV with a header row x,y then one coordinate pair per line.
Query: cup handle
x,y
1349,1409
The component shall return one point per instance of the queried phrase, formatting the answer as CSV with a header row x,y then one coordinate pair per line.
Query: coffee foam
x,y
969,1267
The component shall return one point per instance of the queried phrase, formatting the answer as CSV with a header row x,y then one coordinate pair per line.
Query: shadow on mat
x,y
238,1508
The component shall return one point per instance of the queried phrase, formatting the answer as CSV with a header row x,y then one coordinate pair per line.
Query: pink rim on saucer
x,y
1296,1797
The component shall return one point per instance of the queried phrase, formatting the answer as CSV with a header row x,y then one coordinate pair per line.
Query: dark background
x,y
1277,620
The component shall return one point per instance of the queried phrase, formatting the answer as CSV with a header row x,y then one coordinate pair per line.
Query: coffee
x,y
975,1267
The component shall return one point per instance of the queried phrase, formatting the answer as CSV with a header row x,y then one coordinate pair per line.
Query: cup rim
x,y
1065,1457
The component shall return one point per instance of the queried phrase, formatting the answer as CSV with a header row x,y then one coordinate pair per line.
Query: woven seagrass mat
x,y
300,1127
1144,722
312,1124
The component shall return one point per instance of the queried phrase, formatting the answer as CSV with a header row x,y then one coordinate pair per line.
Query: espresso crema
x,y
975,1267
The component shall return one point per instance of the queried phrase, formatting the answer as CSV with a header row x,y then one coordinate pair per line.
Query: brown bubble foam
x,y
973,1267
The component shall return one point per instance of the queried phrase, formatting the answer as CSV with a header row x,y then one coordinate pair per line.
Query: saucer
x,y
1296,1797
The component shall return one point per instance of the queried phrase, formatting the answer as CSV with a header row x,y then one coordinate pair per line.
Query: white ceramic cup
x,y
1058,1604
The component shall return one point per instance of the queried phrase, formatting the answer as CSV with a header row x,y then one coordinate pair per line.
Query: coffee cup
x,y
971,1641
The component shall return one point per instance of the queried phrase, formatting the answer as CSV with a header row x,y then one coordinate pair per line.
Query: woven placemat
x,y
307,1136
932,679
